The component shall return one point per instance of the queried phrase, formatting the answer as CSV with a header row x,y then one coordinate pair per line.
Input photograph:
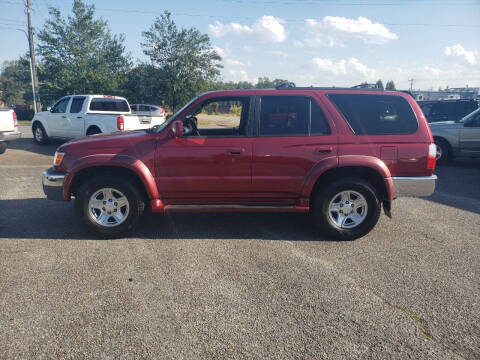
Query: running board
x,y
235,208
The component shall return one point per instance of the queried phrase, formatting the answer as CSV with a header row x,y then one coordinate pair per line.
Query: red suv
x,y
339,154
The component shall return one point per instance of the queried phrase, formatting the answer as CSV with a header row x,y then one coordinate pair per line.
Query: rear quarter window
x,y
101,104
376,114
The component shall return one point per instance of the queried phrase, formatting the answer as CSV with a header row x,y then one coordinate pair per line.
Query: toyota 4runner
x,y
340,154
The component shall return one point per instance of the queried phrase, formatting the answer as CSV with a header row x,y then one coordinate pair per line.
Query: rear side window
x,y
376,114
101,104
77,104
291,116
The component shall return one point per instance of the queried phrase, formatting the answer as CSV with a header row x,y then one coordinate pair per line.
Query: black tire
x,y
321,215
39,134
93,130
132,193
443,148
3,147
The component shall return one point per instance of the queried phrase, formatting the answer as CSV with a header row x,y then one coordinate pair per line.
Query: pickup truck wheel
x,y
93,130
39,134
109,207
347,209
3,147
443,151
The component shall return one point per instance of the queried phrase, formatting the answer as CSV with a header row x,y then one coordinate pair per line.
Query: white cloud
x,y
459,50
267,28
280,53
344,67
235,62
239,75
335,30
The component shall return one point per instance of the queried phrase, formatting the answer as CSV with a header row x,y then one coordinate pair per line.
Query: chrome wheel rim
x,y
38,134
439,151
108,207
348,209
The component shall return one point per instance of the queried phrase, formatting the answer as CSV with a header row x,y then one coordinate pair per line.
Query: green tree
x,y
266,83
390,85
143,85
15,81
186,61
80,54
379,84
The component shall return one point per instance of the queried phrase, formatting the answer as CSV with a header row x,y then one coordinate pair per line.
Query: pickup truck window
x,y
77,104
61,106
107,104
376,114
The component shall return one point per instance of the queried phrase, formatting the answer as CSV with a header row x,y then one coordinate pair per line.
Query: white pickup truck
x,y
76,116
8,128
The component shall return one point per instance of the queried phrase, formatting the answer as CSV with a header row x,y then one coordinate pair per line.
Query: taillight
x,y
120,123
432,156
162,111
15,121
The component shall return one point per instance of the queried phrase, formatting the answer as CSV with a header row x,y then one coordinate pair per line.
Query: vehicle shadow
x,y
458,185
38,218
28,144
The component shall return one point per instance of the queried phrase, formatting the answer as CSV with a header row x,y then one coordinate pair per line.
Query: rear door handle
x,y
64,116
235,152
79,117
323,150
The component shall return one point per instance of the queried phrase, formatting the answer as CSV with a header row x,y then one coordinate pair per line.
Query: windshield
x,y
158,128
469,116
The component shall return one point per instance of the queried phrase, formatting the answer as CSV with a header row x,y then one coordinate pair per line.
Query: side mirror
x,y
49,108
178,128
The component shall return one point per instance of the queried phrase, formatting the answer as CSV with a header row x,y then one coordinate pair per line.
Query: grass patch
x,y
24,122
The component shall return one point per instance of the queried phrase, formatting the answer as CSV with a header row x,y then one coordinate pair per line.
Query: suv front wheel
x,y
346,209
109,207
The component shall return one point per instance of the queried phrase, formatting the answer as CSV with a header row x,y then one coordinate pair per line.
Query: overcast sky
x,y
310,42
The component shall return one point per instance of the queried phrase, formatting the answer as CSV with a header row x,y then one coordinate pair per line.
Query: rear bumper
x,y
10,135
52,183
414,186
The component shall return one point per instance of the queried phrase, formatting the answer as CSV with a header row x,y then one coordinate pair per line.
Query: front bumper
x,y
52,183
10,135
414,186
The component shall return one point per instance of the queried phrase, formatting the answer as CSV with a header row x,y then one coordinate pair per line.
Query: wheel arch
x,y
131,168
43,123
93,126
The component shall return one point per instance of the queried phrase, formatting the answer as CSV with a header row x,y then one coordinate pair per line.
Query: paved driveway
x,y
238,286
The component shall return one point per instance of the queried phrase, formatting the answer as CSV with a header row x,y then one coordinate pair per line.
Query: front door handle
x,y
64,116
79,117
326,150
235,152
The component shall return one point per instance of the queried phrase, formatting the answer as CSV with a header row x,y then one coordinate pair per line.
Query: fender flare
x,y
112,160
341,161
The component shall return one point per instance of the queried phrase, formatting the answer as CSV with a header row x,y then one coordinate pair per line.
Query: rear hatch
x,y
8,120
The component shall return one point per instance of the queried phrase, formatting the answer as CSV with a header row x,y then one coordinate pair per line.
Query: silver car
x,y
145,109
457,138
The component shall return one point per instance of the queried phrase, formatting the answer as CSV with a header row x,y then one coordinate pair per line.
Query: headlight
x,y
57,158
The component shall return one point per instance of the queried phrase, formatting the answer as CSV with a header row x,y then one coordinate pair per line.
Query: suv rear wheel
x,y
109,207
346,209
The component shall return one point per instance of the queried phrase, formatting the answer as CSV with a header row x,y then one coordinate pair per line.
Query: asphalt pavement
x,y
237,286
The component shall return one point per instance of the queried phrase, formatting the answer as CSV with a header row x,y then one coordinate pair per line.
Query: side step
x,y
235,208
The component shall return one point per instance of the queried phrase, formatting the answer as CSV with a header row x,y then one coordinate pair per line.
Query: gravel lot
x,y
237,286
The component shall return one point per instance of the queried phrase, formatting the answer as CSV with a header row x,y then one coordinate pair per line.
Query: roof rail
x,y
286,85
366,86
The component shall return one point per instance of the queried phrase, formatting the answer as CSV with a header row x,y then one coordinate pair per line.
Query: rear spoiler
x,y
407,92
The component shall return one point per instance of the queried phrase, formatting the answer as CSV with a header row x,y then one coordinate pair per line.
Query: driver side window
x,y
61,106
222,117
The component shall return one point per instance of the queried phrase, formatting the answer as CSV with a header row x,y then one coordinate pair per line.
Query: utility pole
x,y
36,97
411,83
